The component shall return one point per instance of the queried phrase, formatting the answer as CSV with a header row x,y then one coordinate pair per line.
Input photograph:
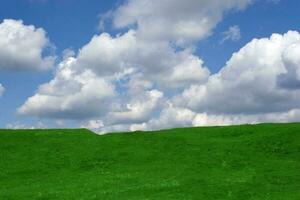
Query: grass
x,y
239,162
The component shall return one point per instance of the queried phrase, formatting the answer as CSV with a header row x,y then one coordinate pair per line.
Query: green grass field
x,y
238,162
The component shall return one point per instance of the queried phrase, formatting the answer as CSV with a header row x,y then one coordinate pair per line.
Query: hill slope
x,y
239,162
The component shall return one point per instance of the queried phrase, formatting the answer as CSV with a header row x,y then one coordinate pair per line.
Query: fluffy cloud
x,y
138,110
22,47
157,61
70,94
258,84
143,80
204,119
106,55
175,20
170,117
91,84
1,89
291,60
93,125
84,85
257,79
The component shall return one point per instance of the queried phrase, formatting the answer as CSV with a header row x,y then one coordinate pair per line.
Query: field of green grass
x,y
218,163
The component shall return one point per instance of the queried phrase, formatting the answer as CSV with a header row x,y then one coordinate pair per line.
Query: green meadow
x,y
248,162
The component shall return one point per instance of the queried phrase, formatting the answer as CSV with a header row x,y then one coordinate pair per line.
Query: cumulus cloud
x,y
204,119
93,82
22,47
290,79
138,110
171,117
83,86
79,90
248,84
145,80
93,125
233,34
106,55
176,20
71,94
248,89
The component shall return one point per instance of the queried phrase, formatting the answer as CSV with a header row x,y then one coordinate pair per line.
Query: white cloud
x,y
176,20
233,34
171,117
71,94
138,110
93,125
204,119
291,60
22,47
157,61
144,80
89,84
83,87
1,90
106,55
256,85
247,90
18,125
248,84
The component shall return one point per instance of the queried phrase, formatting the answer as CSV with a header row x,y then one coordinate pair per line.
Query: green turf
x,y
239,162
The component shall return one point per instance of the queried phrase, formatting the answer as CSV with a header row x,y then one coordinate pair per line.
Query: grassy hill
x,y
238,162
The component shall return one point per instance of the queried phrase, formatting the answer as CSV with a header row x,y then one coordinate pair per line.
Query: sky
x,y
131,65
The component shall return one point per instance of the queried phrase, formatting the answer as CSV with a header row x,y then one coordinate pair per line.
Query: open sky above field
x,y
141,64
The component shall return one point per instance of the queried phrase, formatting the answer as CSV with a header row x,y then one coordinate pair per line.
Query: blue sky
x,y
71,24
